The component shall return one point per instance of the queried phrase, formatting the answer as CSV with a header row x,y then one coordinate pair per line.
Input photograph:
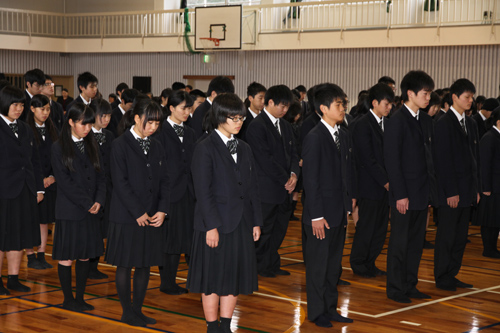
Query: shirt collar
x,y
376,117
40,126
498,130
209,101
7,120
173,123
482,116
411,111
121,110
459,116
331,129
30,95
252,113
84,101
96,131
75,139
224,138
136,136
273,119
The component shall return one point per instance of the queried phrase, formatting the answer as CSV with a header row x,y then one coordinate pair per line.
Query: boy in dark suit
x,y
407,138
277,161
484,113
87,85
56,110
127,100
373,183
457,169
119,90
327,167
218,85
35,79
256,94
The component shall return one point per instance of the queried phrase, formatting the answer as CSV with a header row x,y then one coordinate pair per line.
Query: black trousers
x,y
371,231
276,218
490,240
323,270
451,238
405,250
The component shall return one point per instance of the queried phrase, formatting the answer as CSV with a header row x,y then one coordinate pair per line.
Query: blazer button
x,y
183,150
148,165
241,197
240,183
150,191
22,168
150,177
88,178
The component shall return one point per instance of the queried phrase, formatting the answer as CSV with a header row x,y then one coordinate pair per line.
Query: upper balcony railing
x,y
273,18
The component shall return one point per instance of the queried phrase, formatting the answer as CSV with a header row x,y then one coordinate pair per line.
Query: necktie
x,y
381,124
100,138
144,143
14,127
81,146
41,130
337,139
179,130
277,127
232,145
462,122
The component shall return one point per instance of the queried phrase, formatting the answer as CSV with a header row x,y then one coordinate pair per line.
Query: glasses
x,y
49,84
237,119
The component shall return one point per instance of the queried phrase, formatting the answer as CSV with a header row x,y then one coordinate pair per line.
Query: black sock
x,y
40,256
212,326
225,324
141,280
64,273
188,258
93,264
168,271
122,281
82,273
31,257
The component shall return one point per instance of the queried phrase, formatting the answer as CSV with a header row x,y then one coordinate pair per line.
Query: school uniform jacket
x,y
19,161
490,161
77,190
275,156
309,123
178,155
76,100
481,125
45,151
242,133
56,114
116,117
225,191
368,140
140,182
328,176
457,160
27,107
105,150
406,157
198,116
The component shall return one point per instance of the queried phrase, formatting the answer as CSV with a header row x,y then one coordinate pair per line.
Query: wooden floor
x,y
280,305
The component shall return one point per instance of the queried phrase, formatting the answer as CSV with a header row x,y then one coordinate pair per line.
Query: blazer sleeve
x,y
294,158
37,167
486,150
100,195
353,169
66,183
366,155
445,169
203,178
121,185
256,138
393,151
254,189
164,200
312,176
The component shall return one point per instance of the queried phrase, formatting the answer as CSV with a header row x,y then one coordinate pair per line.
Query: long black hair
x,y
143,107
39,101
78,112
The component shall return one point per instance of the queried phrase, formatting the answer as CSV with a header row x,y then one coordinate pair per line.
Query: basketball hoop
x,y
205,41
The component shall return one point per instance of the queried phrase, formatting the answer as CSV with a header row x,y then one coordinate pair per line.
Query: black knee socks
x,y
168,272
212,326
225,325
489,236
82,273
64,273
123,288
141,280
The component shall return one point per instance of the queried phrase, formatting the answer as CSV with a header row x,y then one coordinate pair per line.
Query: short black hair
x,y
65,89
460,86
301,88
189,86
178,86
8,96
84,79
195,93
446,100
4,83
379,92
254,88
165,93
280,94
294,110
296,94
415,81
129,95
326,94
224,106
100,107
435,100
480,99
386,80
178,97
220,84
112,96
48,77
122,86
39,101
34,75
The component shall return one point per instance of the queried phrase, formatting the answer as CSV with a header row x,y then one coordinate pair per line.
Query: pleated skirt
x,y
488,211
130,245
228,269
104,217
47,207
179,226
78,239
19,222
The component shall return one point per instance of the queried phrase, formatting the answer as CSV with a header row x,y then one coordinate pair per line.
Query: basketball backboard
x,y
218,27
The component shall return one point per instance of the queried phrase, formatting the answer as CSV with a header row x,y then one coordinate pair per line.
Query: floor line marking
x,y
302,315
410,323
471,311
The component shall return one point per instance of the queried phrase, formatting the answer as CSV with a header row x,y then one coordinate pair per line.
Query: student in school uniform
x,y
227,215
458,174
65,99
127,100
277,163
56,109
328,180
256,93
104,138
217,86
35,79
87,85
178,142
81,192
164,96
489,206
139,204
21,187
198,97
484,113
45,134
373,183
407,136
119,90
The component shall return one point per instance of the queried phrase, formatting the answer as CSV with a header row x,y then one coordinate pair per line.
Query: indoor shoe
x,y
447,287
133,320
14,284
267,274
146,319
322,321
73,305
417,294
400,298
97,275
495,255
175,290
379,272
85,306
461,284
35,263
281,272
339,318
343,283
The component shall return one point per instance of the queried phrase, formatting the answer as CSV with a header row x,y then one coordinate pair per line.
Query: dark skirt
x,y
130,245
104,217
228,269
78,239
488,211
19,226
179,226
47,207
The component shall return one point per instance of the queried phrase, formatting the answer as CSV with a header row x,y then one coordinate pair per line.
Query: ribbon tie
x,y
14,127
232,145
179,130
144,143
100,138
81,146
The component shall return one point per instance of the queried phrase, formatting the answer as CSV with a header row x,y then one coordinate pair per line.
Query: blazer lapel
x,y
373,122
135,144
221,147
171,132
327,133
456,123
271,127
8,130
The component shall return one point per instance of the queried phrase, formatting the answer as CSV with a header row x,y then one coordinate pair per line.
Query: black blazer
x,y
347,121
368,141
115,103
45,151
457,160
244,127
406,145
19,161
481,125
309,123
275,156
490,161
27,106
439,115
226,192
105,150
116,117
56,114
328,176
78,190
196,122
140,182
64,102
76,100
178,155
